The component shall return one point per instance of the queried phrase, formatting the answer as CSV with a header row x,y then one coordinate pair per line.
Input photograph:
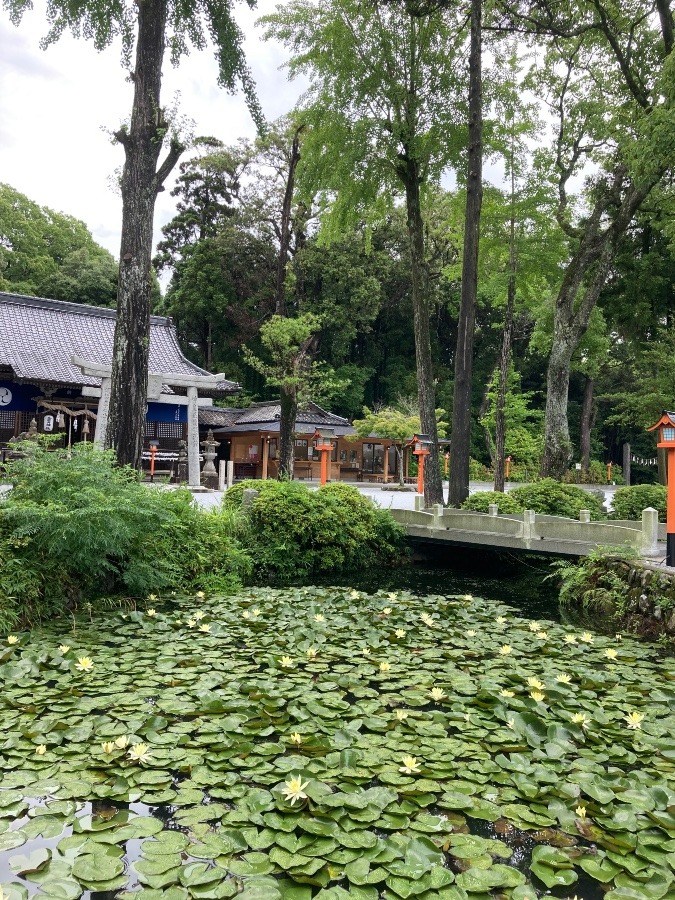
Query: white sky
x,y
56,103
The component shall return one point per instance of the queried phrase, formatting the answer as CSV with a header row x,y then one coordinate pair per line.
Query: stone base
x,y
210,481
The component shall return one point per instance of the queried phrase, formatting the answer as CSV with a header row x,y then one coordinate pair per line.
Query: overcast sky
x,y
56,104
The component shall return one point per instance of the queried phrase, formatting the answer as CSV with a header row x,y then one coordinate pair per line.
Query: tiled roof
x,y
217,417
266,417
38,338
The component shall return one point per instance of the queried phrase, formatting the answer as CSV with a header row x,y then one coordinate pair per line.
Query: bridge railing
x,y
528,530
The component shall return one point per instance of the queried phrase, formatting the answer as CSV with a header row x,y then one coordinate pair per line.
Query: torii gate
x,y
155,381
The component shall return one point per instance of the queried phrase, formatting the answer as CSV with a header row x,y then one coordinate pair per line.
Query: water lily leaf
x,y
12,839
260,889
63,889
21,865
93,868
13,890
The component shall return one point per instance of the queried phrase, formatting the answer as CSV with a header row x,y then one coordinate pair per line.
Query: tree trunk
x,y
426,392
461,408
141,181
626,464
505,352
286,230
587,421
289,413
557,447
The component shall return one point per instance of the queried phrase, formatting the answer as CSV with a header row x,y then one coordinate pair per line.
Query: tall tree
x,y
152,25
381,121
460,445
609,73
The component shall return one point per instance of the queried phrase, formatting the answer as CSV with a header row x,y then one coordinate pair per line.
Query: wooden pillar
x,y
265,456
386,464
193,438
626,463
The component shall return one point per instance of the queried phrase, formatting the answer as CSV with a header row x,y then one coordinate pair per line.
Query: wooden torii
x,y
192,383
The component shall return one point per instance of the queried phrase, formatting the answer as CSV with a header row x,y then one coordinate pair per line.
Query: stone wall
x,y
619,595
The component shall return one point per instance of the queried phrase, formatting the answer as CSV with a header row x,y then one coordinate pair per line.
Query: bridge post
x,y
650,532
528,526
585,516
437,510
419,503
493,509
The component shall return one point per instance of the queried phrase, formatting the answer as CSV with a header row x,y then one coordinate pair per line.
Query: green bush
x,y
294,531
552,498
480,501
478,471
75,526
597,474
628,502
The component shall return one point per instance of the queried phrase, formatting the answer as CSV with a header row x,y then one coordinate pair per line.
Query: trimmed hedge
x,y
481,500
628,502
550,497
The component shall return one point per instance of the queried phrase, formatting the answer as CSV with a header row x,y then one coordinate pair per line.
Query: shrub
x,y
555,499
597,474
628,502
478,471
294,531
480,501
76,526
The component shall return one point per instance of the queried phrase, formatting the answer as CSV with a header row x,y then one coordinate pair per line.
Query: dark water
x,y
521,583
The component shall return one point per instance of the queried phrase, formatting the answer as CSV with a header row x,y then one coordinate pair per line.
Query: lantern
x,y
421,445
323,441
666,427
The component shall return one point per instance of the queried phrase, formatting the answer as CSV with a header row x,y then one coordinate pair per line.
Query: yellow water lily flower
x,y
581,812
426,618
501,620
41,749
296,738
586,637
505,649
319,618
354,594
533,626
312,653
84,663
535,683
191,623
437,694
12,639
537,696
63,648
366,651
198,615
139,753
122,742
152,598
245,614
468,597
611,653
386,611
633,720
257,611
506,693
401,714
570,639
580,719
542,635
563,678
286,662
392,595
205,627
295,789
409,766
385,666
471,633
108,746
200,595
400,632
151,612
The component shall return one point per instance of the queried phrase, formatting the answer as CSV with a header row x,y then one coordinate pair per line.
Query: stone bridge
x,y
529,531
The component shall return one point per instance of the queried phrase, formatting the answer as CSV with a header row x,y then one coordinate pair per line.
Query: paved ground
x,y
406,500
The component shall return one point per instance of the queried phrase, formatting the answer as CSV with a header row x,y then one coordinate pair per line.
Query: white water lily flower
x,y
542,635
386,611
563,678
191,623
471,633
511,723
580,719
401,714
409,766
570,639
257,611
84,663
12,639
537,696
296,737
152,598
108,746
151,612
468,597
533,626
122,742
312,653
198,615
385,666
200,595
611,653
586,637
139,753
41,749
633,720
319,618
505,649
400,632
286,662
205,627
246,614
354,594
366,651
63,649
295,789
581,812
501,620
392,595
535,683
437,694
506,693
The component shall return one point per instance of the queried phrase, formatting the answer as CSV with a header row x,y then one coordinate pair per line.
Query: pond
x,y
321,742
